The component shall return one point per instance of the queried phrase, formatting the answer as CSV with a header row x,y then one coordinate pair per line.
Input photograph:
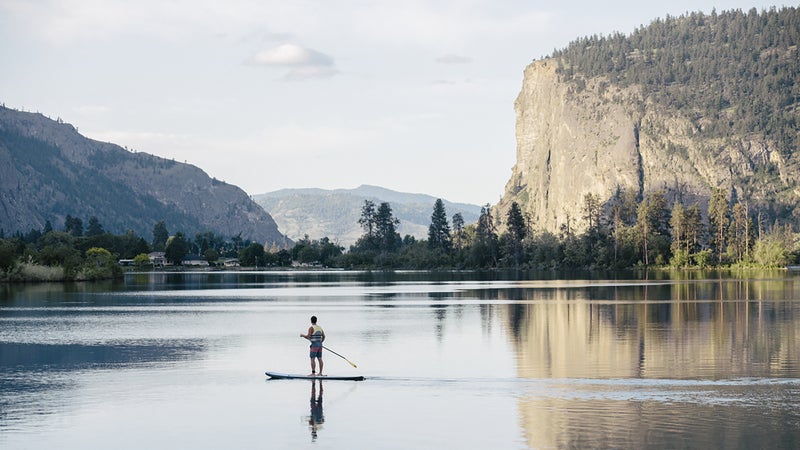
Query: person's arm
x,y
323,336
310,332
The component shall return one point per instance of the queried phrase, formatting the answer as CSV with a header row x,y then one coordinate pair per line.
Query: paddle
x,y
340,356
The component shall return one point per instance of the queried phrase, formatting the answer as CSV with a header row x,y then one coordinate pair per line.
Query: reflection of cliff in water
x,y
710,330
689,339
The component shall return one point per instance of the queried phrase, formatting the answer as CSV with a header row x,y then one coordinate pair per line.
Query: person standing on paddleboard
x,y
316,335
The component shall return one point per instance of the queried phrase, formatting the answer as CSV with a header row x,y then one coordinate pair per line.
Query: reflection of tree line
x,y
677,330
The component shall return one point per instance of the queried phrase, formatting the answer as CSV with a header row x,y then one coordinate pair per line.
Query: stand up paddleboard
x,y
288,376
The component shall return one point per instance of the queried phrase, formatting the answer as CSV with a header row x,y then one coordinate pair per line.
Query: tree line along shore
x,y
631,233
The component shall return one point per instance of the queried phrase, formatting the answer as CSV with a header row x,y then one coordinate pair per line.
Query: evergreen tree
x,y
439,230
718,218
207,241
516,223
741,232
8,256
592,208
693,222
73,226
367,220
160,236
94,228
517,231
458,229
386,235
484,249
680,256
653,227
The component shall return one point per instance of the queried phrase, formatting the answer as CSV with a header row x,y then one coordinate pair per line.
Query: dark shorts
x,y
315,352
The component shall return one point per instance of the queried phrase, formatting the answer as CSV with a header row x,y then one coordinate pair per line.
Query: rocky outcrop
x,y
592,137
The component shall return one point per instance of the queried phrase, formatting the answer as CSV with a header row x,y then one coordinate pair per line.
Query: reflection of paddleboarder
x,y
316,335
316,418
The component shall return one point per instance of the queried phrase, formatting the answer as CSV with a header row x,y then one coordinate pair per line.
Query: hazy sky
x,y
416,96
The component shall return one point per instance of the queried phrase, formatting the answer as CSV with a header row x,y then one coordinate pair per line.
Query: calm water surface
x,y
455,360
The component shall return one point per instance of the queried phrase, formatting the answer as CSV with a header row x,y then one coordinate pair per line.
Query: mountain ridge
x,y
48,171
334,213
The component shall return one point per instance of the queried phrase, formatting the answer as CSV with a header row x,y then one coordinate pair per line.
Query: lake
x,y
452,360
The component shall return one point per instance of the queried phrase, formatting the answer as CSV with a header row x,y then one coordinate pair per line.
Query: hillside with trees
x,y
733,73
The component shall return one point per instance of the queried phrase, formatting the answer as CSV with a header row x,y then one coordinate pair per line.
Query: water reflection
x,y
317,417
691,364
690,331
628,414
671,360
36,377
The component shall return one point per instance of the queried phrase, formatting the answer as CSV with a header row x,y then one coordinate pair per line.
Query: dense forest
x,y
736,72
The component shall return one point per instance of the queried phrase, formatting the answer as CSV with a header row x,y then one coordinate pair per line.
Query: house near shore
x,y
194,260
158,259
230,262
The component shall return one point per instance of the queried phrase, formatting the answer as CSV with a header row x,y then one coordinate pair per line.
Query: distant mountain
x,y
49,171
335,213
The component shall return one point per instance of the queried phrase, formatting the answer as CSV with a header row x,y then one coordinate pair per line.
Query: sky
x,y
416,96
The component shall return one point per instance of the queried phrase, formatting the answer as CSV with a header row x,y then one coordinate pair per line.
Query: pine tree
x,y
515,221
439,231
367,220
160,236
94,228
73,226
718,218
517,231
458,229
386,235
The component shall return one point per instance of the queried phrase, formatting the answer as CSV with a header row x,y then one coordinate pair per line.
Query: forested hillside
x,y
732,72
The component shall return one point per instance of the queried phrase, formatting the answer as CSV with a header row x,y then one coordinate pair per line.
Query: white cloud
x,y
453,59
290,55
303,63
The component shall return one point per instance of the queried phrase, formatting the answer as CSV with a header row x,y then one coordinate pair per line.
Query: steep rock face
x,y
48,170
599,139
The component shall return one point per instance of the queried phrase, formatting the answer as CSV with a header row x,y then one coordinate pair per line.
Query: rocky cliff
x,y
48,170
591,134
